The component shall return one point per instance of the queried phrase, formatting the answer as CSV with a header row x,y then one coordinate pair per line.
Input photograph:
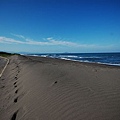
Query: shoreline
x,y
99,63
35,88
92,63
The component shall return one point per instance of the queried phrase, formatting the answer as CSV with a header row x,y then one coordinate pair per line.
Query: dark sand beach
x,y
37,88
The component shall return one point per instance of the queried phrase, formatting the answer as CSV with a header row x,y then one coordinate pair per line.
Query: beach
x,y
41,88
3,61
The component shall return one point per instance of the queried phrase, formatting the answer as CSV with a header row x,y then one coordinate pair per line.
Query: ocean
x,y
101,58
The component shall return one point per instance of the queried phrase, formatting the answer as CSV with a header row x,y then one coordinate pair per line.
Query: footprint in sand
x,y
15,100
55,82
15,83
16,77
14,116
2,86
16,91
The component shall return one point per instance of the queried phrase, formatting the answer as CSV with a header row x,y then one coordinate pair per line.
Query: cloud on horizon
x,y
48,42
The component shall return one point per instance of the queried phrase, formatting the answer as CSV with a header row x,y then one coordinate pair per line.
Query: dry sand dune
x,y
38,88
2,63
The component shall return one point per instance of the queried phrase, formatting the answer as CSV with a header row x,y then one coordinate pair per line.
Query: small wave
x,y
91,57
44,55
34,55
70,56
108,59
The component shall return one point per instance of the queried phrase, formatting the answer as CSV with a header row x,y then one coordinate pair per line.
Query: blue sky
x,y
44,26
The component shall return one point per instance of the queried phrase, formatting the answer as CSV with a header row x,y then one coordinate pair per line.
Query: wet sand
x,y
37,88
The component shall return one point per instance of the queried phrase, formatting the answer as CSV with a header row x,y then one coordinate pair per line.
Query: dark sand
x,y
38,88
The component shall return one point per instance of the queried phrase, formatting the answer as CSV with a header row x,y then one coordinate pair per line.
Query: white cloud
x,y
49,41
13,41
19,36
50,38
66,43
10,40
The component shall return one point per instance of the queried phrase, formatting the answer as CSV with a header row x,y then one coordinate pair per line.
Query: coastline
x,y
100,58
54,89
77,61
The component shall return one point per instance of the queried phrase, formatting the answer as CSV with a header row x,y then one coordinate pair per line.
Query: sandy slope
x,y
50,89
3,61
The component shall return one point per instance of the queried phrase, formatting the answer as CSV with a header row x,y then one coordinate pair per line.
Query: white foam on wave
x,y
86,61
43,55
71,56
35,55
79,58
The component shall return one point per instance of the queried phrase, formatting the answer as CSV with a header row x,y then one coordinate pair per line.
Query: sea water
x,y
103,58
